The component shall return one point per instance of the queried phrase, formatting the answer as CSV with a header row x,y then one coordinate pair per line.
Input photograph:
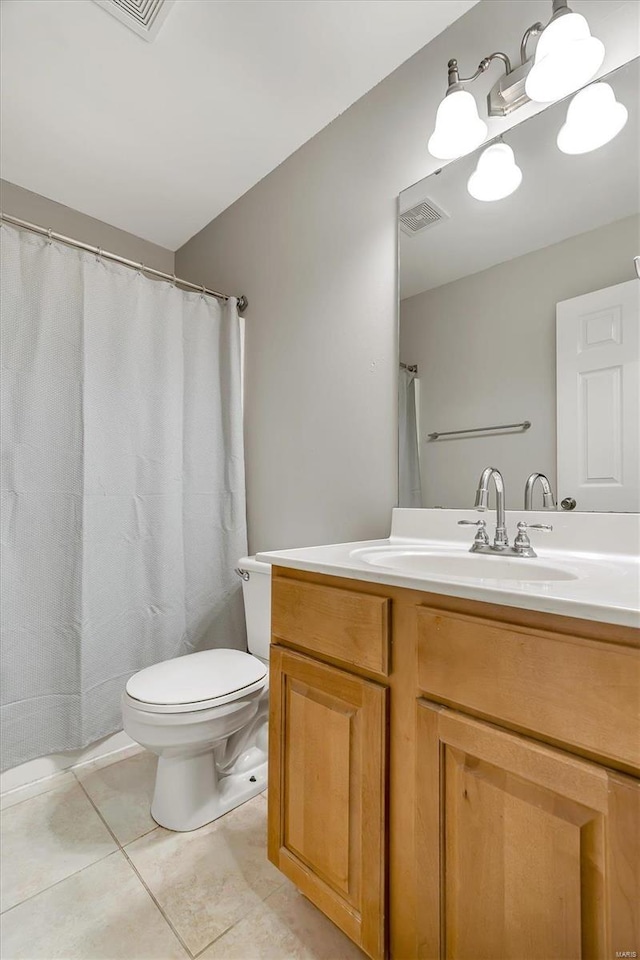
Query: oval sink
x,y
466,566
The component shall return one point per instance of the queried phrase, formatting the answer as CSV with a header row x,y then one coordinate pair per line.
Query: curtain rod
x,y
243,303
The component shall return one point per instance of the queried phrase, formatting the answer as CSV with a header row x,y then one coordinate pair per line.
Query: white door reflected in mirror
x,y
598,398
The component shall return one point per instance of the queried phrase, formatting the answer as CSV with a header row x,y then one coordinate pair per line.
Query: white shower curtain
x,y
123,500
409,486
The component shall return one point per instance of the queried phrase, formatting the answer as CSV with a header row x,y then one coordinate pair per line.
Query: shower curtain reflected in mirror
x,y
409,485
123,498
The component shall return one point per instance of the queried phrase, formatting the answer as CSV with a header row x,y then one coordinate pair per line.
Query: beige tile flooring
x,y
88,875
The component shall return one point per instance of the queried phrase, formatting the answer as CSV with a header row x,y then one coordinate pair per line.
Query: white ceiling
x,y
158,138
560,196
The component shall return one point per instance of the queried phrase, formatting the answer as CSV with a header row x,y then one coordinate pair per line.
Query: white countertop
x,y
600,550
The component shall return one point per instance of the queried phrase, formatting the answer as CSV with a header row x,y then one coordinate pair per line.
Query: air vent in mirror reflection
x,y
420,217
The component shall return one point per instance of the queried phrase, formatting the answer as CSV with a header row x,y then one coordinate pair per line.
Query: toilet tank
x,y
256,591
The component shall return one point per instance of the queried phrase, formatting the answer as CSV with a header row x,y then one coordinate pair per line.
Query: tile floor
x,y
88,875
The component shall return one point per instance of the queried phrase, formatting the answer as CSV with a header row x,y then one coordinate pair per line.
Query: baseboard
x,y
45,767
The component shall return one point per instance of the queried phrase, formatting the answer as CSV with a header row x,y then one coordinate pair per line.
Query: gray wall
x,y
486,353
30,206
314,247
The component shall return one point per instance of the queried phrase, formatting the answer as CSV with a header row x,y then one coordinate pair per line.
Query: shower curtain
x,y
409,487
123,499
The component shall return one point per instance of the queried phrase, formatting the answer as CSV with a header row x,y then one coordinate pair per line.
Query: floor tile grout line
x,y
145,834
157,903
239,920
169,922
121,845
121,849
138,875
91,801
58,882
75,872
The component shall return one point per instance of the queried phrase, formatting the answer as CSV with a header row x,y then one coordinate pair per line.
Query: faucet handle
x,y
522,544
481,536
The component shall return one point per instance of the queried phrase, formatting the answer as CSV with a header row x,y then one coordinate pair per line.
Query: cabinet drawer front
x,y
350,627
574,691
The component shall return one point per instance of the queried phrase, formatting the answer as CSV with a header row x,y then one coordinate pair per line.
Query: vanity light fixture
x,y
566,57
497,174
459,129
594,118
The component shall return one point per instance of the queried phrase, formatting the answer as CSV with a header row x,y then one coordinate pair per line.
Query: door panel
x,y
327,775
318,832
535,886
526,838
598,398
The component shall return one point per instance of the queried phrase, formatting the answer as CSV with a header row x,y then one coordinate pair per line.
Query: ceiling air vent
x,y
144,17
424,215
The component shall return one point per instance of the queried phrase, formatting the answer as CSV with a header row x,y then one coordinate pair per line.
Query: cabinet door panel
x,y
321,833
327,817
528,839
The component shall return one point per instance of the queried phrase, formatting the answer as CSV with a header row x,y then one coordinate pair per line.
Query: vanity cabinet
x,y
450,778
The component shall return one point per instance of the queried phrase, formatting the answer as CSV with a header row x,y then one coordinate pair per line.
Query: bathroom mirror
x,y
519,322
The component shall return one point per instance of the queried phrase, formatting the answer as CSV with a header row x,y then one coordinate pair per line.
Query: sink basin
x,y
463,566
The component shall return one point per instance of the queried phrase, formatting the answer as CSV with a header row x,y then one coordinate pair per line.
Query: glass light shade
x,y
594,118
459,129
566,58
497,174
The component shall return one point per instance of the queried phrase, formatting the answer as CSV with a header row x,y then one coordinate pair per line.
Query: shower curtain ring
x,y
99,255
141,269
49,235
174,280
203,290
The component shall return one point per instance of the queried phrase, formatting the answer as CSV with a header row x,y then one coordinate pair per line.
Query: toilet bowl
x,y
205,715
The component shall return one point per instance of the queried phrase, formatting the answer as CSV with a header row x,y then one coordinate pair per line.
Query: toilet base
x,y
189,792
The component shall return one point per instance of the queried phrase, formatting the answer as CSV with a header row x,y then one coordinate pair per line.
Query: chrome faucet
x,y
548,502
522,545
500,540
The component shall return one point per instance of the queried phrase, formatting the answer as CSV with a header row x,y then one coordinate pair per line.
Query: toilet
x,y
205,715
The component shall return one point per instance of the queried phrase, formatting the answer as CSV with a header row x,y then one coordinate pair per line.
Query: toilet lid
x,y
196,677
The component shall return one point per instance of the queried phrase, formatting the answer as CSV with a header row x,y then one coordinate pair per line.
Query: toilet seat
x,y
196,681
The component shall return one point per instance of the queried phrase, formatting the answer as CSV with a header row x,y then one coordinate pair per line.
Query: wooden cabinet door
x,y
524,852
327,768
